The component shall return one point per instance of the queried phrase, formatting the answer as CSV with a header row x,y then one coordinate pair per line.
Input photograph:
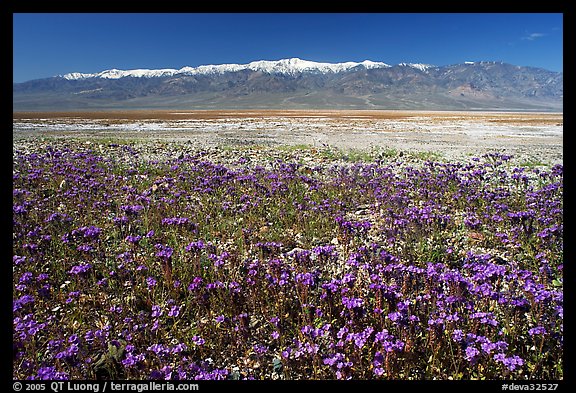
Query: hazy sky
x,y
49,44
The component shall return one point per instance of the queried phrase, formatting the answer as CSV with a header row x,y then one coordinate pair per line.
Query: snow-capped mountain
x,y
418,66
302,84
291,66
117,74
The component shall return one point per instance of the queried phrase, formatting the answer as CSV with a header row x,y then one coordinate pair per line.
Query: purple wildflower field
x,y
187,267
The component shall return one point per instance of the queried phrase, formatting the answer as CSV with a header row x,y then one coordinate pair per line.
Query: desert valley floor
x,y
532,137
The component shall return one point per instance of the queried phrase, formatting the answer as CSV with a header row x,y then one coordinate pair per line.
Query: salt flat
x,y
535,137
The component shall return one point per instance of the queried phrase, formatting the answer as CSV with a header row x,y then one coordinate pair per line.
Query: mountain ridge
x,y
290,66
300,84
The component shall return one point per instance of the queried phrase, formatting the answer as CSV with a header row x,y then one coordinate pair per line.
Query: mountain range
x,y
301,84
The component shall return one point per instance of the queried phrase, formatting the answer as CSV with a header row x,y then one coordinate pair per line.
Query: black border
x,y
484,6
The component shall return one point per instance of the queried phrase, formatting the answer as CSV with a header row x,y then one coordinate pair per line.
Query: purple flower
x,y
116,309
158,349
488,347
306,329
89,336
103,334
219,260
352,303
71,296
453,317
393,345
174,311
395,316
50,372
132,360
195,246
179,221
34,327
328,251
17,260
378,360
331,287
195,284
132,210
359,340
284,278
538,330
120,220
178,348
151,281
457,335
90,232
382,336
58,217
85,248
80,269
471,354
342,332
260,349
156,311
485,318
214,285
511,363
198,340
499,357
334,359
305,278
133,239
19,209
25,278
163,252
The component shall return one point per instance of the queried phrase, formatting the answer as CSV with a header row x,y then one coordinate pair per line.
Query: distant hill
x,y
300,84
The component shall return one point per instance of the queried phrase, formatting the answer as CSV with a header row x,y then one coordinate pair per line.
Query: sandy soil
x,y
531,137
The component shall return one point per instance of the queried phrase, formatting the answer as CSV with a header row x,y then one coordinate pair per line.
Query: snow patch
x,y
291,66
418,66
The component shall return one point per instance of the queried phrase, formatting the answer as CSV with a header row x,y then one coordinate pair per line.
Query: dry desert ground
x,y
532,137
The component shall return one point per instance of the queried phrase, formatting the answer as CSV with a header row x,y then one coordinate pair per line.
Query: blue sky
x,y
49,44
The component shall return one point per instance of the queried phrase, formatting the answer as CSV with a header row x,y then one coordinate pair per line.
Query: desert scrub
x,y
194,268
